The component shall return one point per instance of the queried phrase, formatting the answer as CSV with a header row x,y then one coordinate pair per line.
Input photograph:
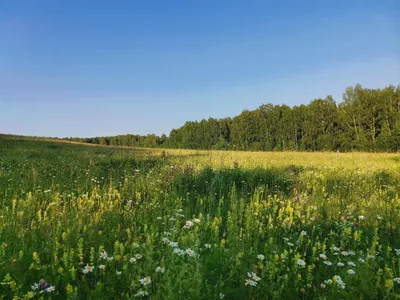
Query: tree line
x,y
366,120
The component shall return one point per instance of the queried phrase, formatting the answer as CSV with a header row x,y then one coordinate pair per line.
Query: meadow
x,y
102,222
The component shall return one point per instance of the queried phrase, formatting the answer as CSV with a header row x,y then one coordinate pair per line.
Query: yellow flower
x,y
60,270
389,284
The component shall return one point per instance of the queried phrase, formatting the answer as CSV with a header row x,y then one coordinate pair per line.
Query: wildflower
x,y
328,282
160,270
361,260
179,251
290,244
251,282
132,260
260,257
43,283
370,256
336,278
88,269
135,245
341,284
145,281
102,267
167,233
50,289
118,272
301,262
345,253
196,221
35,286
165,240
180,210
190,252
397,280
256,278
138,256
340,264
351,272
141,294
173,244
328,263
303,233
336,249
351,253
159,218
397,252
350,263
110,258
323,256
379,217
208,246
103,255
189,223
221,296
286,240
323,285
361,217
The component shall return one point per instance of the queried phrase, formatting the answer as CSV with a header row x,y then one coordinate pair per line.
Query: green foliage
x,y
92,222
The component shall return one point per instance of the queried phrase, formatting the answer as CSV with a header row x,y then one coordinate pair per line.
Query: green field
x,y
94,222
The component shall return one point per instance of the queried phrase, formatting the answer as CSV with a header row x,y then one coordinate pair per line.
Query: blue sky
x,y
93,68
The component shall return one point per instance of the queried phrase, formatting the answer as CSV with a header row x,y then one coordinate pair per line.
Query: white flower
x,y
251,274
102,267
196,221
256,278
361,260
290,244
180,210
179,251
190,252
173,244
345,253
340,264
165,240
260,257
336,278
328,263
323,285
88,269
103,255
138,256
341,284
361,217
167,233
221,296
379,217
50,289
336,249
118,272
303,233
141,294
301,262
132,260
35,286
350,263
110,258
351,272
159,218
135,245
370,256
251,282
189,224
145,281
208,246
329,281
286,240
323,256
397,280
160,270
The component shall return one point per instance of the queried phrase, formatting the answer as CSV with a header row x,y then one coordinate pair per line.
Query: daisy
x,y
110,258
290,244
190,252
118,272
102,267
336,249
336,278
196,221
160,270
361,217
179,251
397,280
328,282
303,233
352,264
323,256
35,286
50,289
251,282
221,296
256,278
138,256
173,244
301,262
351,272
328,263
340,264
361,260
260,257
208,246
323,285
145,281
103,255
141,293
88,269
165,240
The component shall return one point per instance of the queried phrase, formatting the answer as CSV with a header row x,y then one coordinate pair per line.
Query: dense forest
x,y
366,120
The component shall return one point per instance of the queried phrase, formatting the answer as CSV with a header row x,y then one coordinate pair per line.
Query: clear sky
x,y
95,68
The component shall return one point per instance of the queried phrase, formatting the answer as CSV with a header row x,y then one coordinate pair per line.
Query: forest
x,y
365,120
